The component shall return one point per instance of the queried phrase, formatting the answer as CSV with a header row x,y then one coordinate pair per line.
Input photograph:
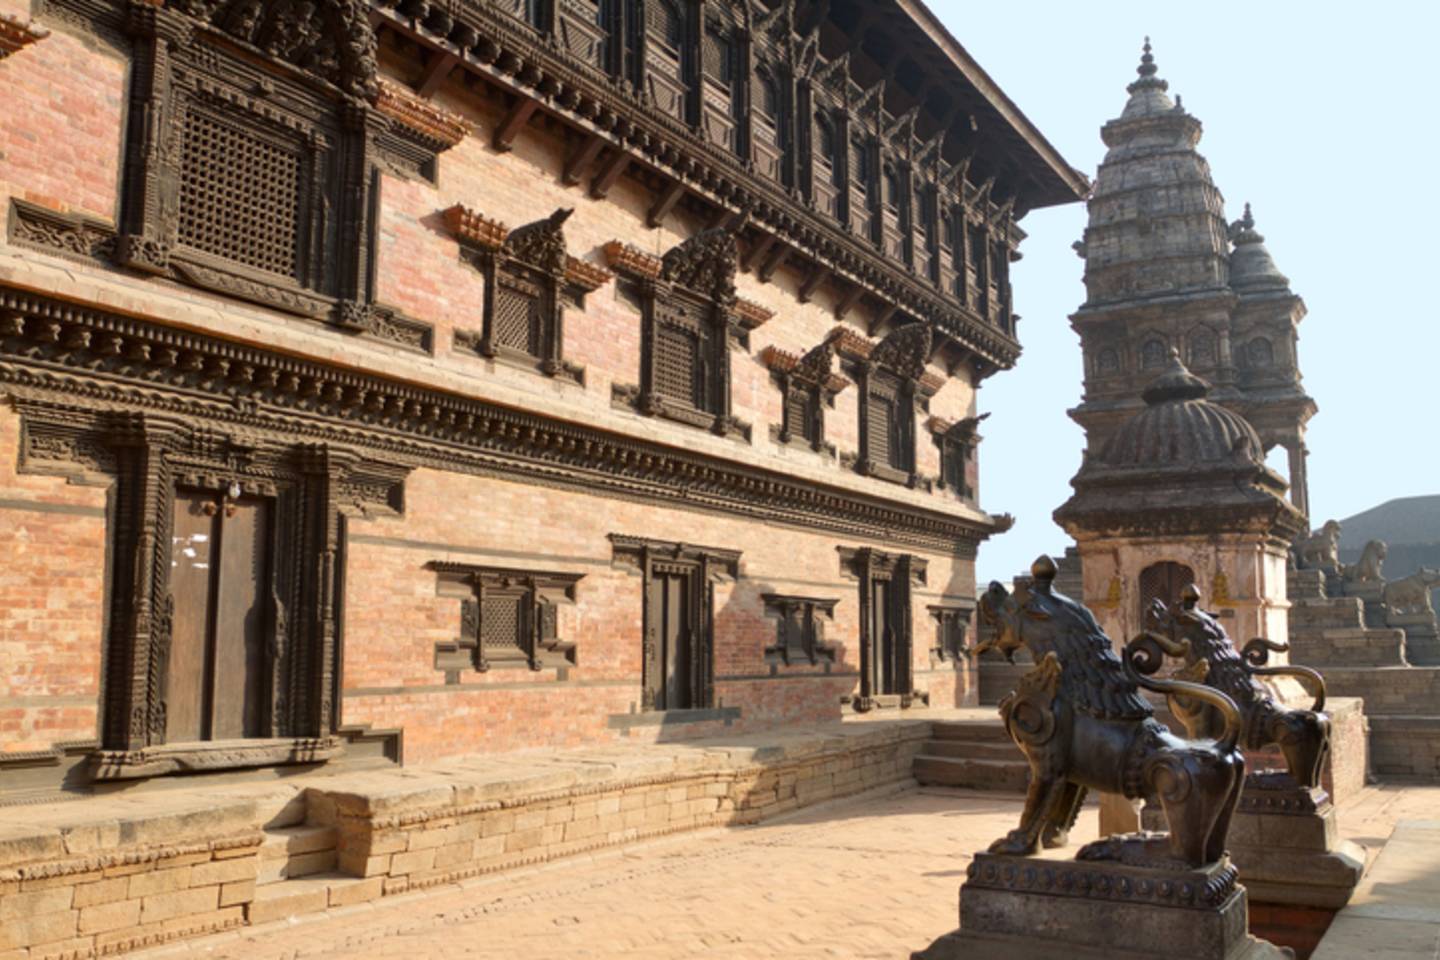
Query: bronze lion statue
x,y
1195,635
1082,723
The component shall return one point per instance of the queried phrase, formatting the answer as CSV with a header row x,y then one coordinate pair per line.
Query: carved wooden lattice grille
x,y
241,195
518,314
716,56
676,364
500,623
881,412
1164,582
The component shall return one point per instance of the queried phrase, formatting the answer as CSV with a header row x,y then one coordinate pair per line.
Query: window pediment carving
x,y
330,39
706,264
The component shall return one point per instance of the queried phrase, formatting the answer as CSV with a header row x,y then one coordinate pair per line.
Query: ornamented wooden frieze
x,y
528,277
16,33
800,628
60,354
508,617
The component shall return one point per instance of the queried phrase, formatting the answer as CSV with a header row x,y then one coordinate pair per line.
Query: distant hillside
x,y
1406,521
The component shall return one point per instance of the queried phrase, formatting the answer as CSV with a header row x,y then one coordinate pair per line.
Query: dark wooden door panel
x,y
192,571
241,678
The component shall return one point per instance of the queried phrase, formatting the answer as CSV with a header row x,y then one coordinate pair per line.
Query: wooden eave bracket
x,y
474,228
438,127
16,33
628,260
957,429
931,383
780,361
850,344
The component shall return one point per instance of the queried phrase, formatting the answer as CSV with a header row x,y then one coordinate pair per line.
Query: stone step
x,y
1406,746
976,731
288,853
1388,691
293,898
1305,584
999,679
1330,612
972,749
1348,647
1010,776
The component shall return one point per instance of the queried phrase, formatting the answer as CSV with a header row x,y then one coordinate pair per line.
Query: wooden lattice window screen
x,y
240,195
518,314
1164,581
677,365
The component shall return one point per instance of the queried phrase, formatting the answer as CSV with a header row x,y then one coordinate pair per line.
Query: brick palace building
x,y
384,382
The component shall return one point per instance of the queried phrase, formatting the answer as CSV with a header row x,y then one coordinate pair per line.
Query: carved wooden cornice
x,y
814,367
473,227
439,128
513,58
751,314
92,362
586,275
16,33
962,430
632,552
629,260
850,344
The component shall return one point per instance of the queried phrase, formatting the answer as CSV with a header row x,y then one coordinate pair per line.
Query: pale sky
x,y
1323,117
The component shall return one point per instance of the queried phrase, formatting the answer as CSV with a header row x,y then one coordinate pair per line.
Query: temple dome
x,y
1251,266
1179,427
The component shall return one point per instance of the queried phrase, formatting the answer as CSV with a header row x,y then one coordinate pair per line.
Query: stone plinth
x,y
1041,908
1422,639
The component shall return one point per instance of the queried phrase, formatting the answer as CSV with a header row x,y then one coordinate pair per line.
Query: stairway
x,y
976,754
1402,702
297,874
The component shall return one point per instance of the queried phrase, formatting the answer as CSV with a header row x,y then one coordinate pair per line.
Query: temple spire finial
x,y
1147,71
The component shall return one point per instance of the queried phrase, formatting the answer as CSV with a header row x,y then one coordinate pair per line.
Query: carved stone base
x,y
1043,908
1286,844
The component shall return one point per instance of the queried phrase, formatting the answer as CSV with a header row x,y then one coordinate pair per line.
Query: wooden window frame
x,y
800,629
538,595
957,443
811,381
894,372
708,566
952,624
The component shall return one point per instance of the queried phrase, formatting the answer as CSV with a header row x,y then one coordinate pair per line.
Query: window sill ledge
x,y
211,756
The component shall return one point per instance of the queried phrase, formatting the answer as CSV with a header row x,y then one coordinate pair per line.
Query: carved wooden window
x,y
667,56
769,127
886,638
1153,354
978,264
950,244
225,592
954,467
951,625
827,176
688,318
861,188
244,174
800,628
529,279
927,241
585,29
722,101
508,618
808,385
803,416
1108,361
677,650
893,389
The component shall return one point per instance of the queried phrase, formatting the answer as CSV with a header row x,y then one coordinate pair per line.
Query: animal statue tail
x,y
1257,653
1146,653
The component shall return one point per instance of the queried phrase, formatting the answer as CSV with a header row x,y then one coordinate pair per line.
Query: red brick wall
x,y
52,581
394,618
61,140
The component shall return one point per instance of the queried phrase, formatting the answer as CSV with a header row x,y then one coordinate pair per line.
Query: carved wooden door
x,y
217,683
883,634
1163,581
673,626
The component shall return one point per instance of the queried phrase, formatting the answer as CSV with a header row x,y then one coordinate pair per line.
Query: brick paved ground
x,y
872,877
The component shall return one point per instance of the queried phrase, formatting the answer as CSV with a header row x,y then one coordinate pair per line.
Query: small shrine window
x,y
800,629
508,617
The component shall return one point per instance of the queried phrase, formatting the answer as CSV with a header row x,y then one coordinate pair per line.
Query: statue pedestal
x,y
1285,842
1045,907
1422,639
